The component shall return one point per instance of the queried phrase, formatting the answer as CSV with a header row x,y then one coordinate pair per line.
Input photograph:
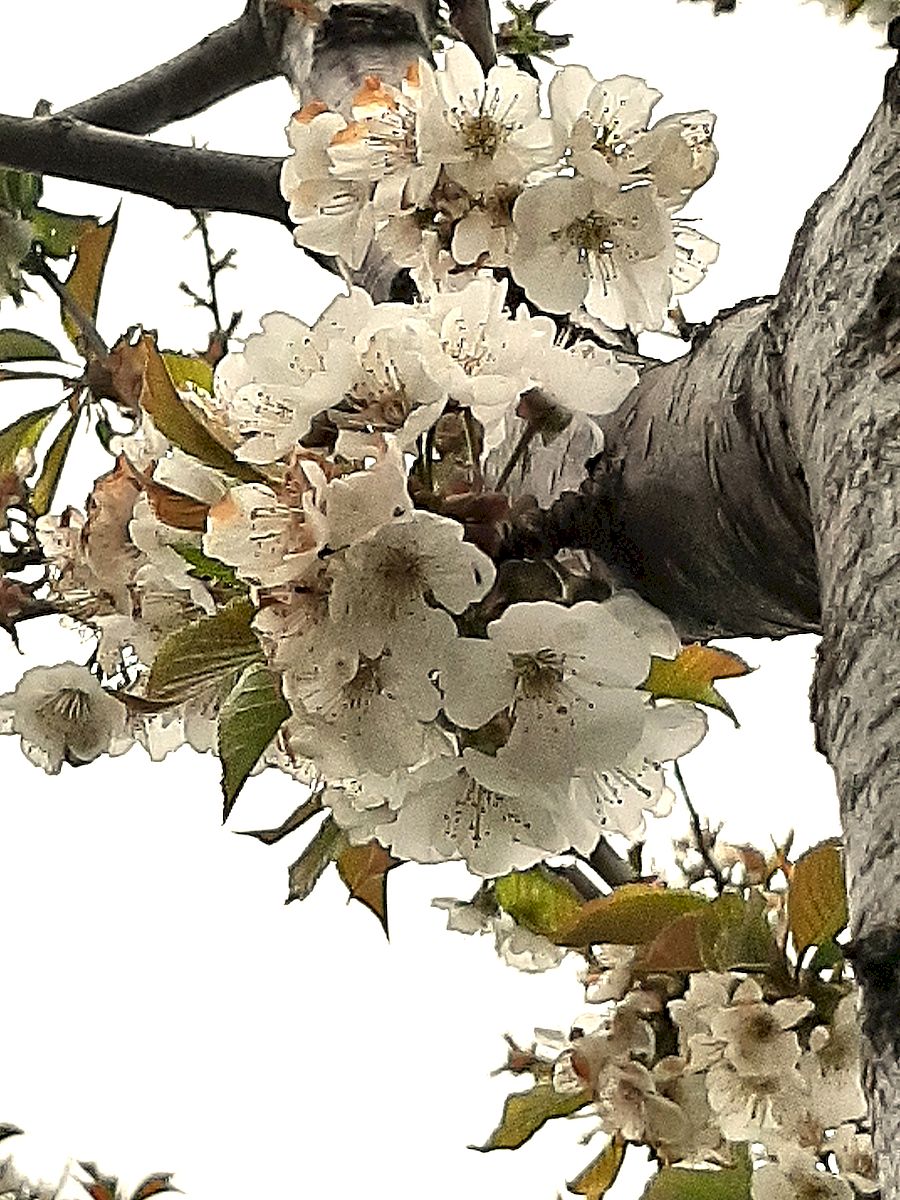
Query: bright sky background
x,y
162,1009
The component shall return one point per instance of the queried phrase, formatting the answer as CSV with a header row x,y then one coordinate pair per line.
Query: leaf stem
x,y
82,319
520,447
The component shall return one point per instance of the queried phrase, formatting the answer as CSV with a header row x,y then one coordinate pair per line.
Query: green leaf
x,y
525,1112
59,233
690,676
204,567
598,1177
86,277
817,896
23,434
184,369
213,649
364,871
304,874
248,720
684,1183
44,490
632,915
539,899
143,381
729,932
18,345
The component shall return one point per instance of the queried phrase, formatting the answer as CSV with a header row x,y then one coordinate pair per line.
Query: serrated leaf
x,y
817,896
599,1176
23,434
304,874
525,1112
19,345
539,900
248,721
185,369
632,915
44,490
364,871
143,381
204,567
214,649
86,277
154,1185
685,1183
59,233
690,676
101,1187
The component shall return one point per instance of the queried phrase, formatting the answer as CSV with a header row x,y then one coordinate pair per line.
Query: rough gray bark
x,y
840,369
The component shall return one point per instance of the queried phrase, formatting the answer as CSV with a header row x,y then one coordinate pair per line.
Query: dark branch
x,y
226,61
183,176
472,20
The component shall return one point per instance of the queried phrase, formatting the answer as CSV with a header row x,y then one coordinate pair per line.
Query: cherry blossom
x,y
62,714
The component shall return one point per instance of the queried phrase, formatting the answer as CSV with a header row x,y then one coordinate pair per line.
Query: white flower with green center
x,y
582,242
485,132
383,586
62,714
332,216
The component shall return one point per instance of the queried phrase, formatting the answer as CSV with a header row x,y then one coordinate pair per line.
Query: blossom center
x,y
68,706
539,675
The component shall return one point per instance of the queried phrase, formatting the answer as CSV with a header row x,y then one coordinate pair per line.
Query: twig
x,y
519,449
182,176
224,62
214,267
83,320
697,829
472,20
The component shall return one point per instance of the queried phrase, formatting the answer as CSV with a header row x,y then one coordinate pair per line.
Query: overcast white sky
x,y
162,1009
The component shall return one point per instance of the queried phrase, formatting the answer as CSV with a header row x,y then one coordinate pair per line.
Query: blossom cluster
x,y
712,1038
750,1068
454,171
433,721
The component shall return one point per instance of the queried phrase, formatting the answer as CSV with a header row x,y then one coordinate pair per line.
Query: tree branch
x,y
183,176
226,61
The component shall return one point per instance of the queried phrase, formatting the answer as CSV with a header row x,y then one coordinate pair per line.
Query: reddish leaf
x,y
364,870
690,676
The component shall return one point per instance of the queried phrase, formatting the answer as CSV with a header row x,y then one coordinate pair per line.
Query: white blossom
x,y
380,584
483,131
758,1037
333,216
579,241
798,1173
855,1158
62,714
